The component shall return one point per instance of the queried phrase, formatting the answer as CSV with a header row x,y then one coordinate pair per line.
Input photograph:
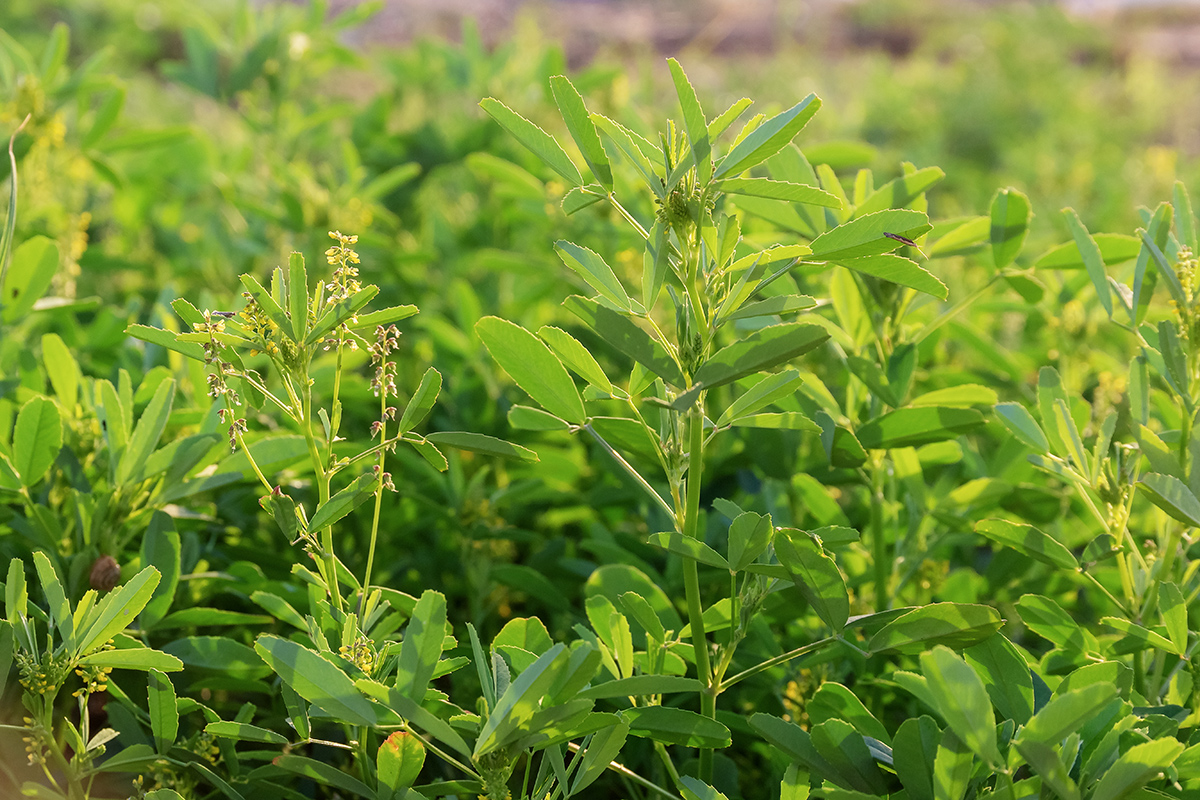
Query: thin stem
x,y
661,749
326,533
954,310
777,660
628,217
11,223
637,476
250,457
366,585
691,578
878,545
1095,582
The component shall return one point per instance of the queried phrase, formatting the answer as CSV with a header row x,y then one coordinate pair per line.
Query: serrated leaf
x,y
768,138
1030,541
761,350
582,130
533,367
534,138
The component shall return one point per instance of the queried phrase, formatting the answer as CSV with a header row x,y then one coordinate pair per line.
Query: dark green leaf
x,y
593,269
1030,541
815,575
761,350
1172,496
1005,676
36,439
676,726
482,443
627,337
241,731
913,752
422,646
912,427
316,680
533,367
164,711
689,548
952,624
962,701
345,501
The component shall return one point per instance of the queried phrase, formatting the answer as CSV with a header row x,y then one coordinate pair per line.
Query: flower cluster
x,y
342,258
35,743
42,676
259,325
95,680
361,654
386,340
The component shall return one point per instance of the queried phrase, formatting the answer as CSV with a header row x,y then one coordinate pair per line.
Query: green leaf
x,y
167,340
1093,261
409,710
845,749
951,624
768,138
520,701
815,575
912,427
897,269
582,130
315,679
761,350
1173,608
1030,541
1172,496
694,123
1047,619
534,138
139,658
865,236
422,646
780,190
676,726
1066,713
962,701
593,269
242,731
749,536
900,192
527,418
146,433
768,390
1022,424
398,764
422,400
688,547
36,439
1010,218
360,489
952,768
481,443
641,686
914,751
797,745
1045,762
30,273
625,141
575,356
384,316
1115,248
834,701
298,297
63,370
116,611
533,367
344,310
1005,676
56,598
322,773
581,197
164,711
1142,635
627,337
774,306
604,747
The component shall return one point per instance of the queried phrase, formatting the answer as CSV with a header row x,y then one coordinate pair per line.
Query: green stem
x,y
11,223
633,473
954,310
878,545
628,217
326,533
366,585
811,647
691,578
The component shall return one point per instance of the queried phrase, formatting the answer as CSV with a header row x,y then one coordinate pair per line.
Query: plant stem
x,y
691,578
637,476
954,310
326,533
878,545
811,647
366,585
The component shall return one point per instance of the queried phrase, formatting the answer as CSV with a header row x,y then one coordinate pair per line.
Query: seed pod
x,y
105,574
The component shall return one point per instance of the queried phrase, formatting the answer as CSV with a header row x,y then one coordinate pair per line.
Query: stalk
x,y
326,533
691,579
366,587
878,545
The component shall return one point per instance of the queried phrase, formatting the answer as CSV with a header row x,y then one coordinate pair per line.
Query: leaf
x,y
344,311
1172,496
37,438
242,731
964,395
146,433
1022,424
688,547
749,536
1005,675
1030,541
345,501
1093,261
415,714
1173,608
1143,635
676,726
780,190
322,773
520,701
834,701
900,192
797,745
865,236
139,658
768,138
774,306
63,370
422,646
422,400
1136,766
952,768
575,356
815,575
533,367
1046,763
164,711
914,751
527,418
582,130
624,139
116,611
627,337
1115,248
897,269
593,269
398,764
1047,619
220,654
912,427
384,316
605,745
298,297
534,138
761,350
962,701
30,273
694,123
641,686
951,624
765,392
481,443
1010,216
315,679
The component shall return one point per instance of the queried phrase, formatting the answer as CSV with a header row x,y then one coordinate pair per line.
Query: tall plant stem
x,y
691,578
878,545
366,586
326,533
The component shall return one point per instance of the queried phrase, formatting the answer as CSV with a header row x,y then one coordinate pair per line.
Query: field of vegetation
x,y
450,419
